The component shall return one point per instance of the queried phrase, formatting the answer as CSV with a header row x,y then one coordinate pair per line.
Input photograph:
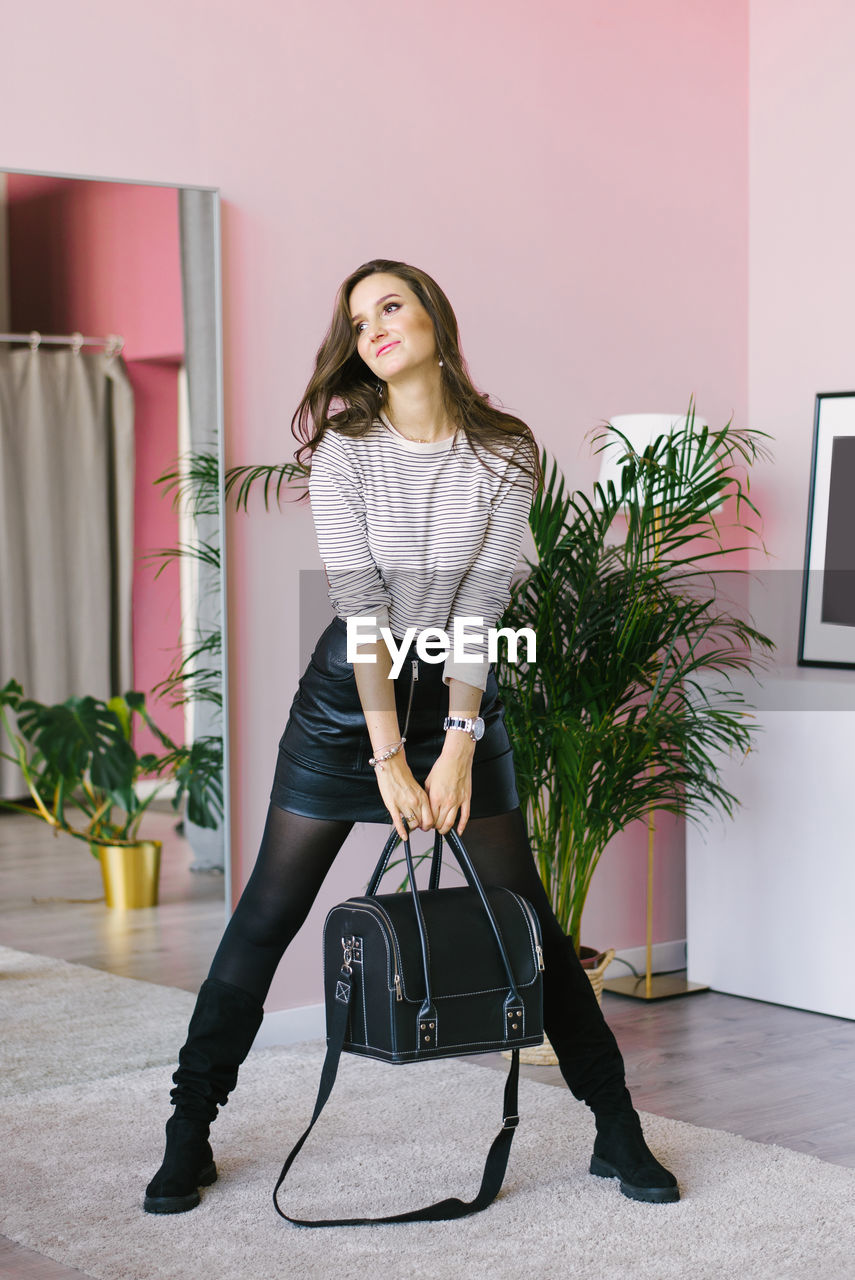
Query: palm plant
x,y
275,476
193,480
613,720
196,675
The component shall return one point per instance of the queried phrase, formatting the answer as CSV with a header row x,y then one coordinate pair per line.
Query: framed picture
x,y
827,625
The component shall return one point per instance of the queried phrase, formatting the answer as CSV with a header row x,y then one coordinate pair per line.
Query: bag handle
x,y
435,862
379,871
389,848
474,882
442,1210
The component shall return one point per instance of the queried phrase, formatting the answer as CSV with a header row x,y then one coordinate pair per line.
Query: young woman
x,y
420,493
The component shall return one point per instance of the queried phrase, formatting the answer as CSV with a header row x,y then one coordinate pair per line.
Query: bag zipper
x,y
378,911
535,929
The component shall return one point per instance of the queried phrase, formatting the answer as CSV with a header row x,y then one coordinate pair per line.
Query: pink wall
x,y
802,282
157,596
90,256
574,175
101,258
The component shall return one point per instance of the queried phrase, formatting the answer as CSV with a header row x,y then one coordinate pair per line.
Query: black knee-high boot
x,y
224,1024
591,1063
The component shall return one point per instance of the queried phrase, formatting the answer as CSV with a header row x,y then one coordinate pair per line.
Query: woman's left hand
x,y
449,783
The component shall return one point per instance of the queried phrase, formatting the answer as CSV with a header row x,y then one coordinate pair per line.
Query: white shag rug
x,y
77,1156
66,1022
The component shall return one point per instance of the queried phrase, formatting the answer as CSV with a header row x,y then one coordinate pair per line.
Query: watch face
x,y
478,728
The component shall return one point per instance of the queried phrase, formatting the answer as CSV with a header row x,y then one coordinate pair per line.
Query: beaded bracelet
x,y
378,761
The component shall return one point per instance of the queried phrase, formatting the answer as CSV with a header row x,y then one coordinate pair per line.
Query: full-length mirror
x,y
111,575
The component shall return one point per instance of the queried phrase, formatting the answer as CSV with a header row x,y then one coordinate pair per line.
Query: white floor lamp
x,y
641,429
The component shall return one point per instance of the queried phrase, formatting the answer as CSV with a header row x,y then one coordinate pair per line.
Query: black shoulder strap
x,y
497,1159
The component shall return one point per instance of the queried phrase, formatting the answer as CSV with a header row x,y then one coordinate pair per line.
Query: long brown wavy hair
x,y
343,392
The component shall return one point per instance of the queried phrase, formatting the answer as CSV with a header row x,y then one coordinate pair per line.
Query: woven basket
x,y
543,1055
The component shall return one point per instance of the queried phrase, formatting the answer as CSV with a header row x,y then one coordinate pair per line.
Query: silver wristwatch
x,y
474,727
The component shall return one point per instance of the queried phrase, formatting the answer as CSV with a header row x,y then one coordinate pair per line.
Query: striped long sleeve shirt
x,y
417,535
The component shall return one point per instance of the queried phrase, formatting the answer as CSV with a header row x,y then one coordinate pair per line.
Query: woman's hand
x,y
449,783
403,796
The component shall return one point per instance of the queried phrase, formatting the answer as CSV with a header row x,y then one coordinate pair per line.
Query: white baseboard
x,y
666,957
308,1022
289,1026
165,790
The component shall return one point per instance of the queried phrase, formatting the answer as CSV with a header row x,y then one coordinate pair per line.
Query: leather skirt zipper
x,y
414,675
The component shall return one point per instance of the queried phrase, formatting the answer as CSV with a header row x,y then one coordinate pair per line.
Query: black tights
x,y
295,855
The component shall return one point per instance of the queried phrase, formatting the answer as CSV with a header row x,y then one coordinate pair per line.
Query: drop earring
x,y
379,390
441,362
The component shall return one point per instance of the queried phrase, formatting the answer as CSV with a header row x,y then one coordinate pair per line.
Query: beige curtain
x,y
66,526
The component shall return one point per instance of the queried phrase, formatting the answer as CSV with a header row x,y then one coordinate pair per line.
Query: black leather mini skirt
x,y
323,770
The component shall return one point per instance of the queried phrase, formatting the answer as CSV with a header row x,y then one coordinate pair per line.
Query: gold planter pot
x,y
130,872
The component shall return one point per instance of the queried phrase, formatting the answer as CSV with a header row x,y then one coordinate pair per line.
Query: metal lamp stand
x,y
660,986
651,986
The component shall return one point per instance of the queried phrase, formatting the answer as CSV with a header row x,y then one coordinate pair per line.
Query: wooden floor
x,y
763,1071
52,902
766,1072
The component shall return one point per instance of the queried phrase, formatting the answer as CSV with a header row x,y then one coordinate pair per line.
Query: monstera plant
x,y
82,771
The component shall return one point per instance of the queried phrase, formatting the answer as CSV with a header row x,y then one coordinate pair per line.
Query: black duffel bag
x,y
431,974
